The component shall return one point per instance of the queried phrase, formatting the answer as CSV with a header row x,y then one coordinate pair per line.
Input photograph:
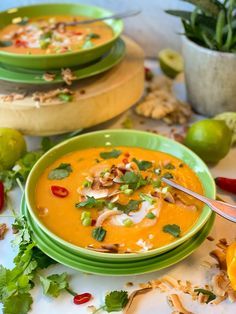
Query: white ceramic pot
x,y
210,78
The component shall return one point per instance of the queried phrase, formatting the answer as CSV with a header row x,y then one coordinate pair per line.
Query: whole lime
x,y
12,147
209,139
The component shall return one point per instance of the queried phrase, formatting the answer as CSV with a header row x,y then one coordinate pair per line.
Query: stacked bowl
x,y
90,261
86,61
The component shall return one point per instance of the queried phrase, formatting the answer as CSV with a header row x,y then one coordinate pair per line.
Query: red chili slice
x,y
82,298
2,196
59,191
226,184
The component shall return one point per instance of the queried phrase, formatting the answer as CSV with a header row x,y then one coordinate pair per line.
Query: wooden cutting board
x,y
95,100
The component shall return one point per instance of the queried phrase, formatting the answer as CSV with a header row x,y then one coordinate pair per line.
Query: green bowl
x,y
68,59
122,138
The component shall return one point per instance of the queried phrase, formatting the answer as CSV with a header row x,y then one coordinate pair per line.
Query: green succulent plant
x,y
211,23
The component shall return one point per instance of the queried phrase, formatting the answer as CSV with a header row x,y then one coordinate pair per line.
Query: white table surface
x,y
153,302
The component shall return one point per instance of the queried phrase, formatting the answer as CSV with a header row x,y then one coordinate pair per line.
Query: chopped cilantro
x,y
66,97
61,172
133,180
88,44
5,43
24,21
92,36
99,234
143,164
132,205
148,198
112,154
156,183
91,202
150,215
115,301
54,284
169,166
174,230
211,295
168,175
127,123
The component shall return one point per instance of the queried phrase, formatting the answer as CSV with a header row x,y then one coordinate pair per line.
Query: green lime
x,y
171,62
230,120
12,147
210,139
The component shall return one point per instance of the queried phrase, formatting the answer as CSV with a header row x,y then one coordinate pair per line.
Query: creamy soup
x,y
113,200
49,35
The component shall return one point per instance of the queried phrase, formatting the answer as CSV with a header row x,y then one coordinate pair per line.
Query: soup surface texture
x,y
113,200
49,35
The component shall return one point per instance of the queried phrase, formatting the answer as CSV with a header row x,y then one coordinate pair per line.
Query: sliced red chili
x,y
93,223
82,298
59,191
125,161
21,43
226,184
2,196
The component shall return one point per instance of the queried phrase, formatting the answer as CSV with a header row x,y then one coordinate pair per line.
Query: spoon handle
x,y
114,16
225,210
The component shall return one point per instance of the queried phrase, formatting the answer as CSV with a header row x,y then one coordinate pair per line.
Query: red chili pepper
x,y
2,196
226,184
125,161
93,222
127,154
21,43
59,191
82,298
148,74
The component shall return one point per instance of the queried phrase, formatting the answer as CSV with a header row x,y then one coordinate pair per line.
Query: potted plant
x,y
209,51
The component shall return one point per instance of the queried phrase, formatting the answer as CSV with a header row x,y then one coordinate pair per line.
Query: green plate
x,y
64,256
19,75
68,59
122,138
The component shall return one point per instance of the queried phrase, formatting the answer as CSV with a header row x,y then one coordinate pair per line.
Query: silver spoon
x,y
114,16
225,210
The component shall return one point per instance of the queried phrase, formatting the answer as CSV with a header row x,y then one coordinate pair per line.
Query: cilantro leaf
x,y
18,304
66,97
8,179
169,166
61,172
5,43
168,175
150,215
24,165
143,164
43,261
54,284
47,143
211,295
91,202
92,36
174,230
133,180
99,234
116,300
112,154
132,205
148,198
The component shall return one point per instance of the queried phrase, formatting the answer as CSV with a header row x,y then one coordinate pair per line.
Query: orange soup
x,y
113,199
50,35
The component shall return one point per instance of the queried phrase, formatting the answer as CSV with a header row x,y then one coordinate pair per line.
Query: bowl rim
x,y
70,53
193,230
